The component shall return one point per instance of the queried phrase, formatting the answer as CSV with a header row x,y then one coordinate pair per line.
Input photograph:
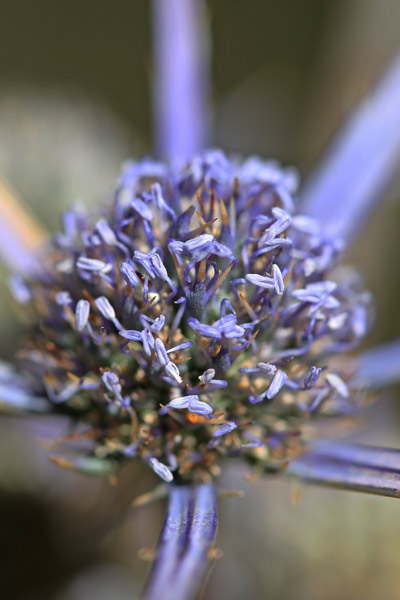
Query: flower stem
x,y
181,82
186,537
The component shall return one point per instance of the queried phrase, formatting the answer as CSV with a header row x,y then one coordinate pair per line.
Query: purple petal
x,y
105,307
173,372
106,233
92,264
81,314
337,384
142,209
261,281
311,378
278,280
199,407
277,384
111,382
161,353
161,470
131,334
182,346
207,331
129,274
62,299
224,429
177,403
267,368
158,199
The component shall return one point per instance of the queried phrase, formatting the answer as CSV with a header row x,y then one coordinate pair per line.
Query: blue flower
x,y
200,302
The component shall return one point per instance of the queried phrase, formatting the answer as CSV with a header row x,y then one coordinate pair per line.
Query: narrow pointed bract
x,y
358,167
17,395
180,97
20,235
353,468
380,366
374,457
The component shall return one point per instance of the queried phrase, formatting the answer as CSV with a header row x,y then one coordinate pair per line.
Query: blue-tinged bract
x,y
198,315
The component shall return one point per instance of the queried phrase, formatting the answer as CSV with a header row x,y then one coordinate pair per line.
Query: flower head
x,y
194,317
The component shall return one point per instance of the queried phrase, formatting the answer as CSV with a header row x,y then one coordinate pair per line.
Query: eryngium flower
x,y
197,315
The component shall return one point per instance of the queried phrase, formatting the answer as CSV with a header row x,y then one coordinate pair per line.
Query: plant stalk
x,y
183,549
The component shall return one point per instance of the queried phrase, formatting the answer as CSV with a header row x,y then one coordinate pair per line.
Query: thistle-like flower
x,y
197,316
201,314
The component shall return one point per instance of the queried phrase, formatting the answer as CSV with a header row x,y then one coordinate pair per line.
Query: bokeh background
x,y
75,83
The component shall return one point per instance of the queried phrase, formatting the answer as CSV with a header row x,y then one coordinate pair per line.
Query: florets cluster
x,y
195,316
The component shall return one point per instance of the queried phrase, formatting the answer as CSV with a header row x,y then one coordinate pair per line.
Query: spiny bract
x,y
197,315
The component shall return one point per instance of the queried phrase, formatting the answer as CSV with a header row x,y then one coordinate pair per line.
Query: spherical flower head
x,y
196,316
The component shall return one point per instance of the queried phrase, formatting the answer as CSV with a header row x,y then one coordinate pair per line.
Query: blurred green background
x,y
74,103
